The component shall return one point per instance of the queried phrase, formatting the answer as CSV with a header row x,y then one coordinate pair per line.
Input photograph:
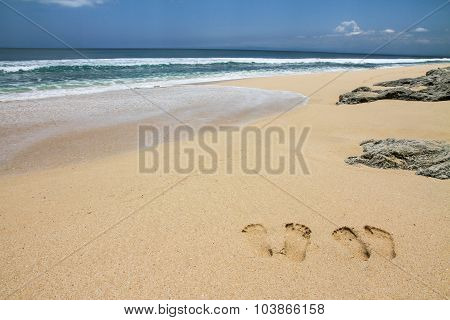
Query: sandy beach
x,y
96,228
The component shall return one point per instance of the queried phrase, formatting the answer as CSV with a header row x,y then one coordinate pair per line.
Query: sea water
x,y
40,73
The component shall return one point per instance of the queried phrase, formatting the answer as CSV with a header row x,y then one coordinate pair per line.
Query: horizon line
x,y
228,49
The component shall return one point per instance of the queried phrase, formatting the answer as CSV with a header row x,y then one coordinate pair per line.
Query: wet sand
x,y
48,132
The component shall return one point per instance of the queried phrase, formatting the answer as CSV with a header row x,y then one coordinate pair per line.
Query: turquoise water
x,y
36,73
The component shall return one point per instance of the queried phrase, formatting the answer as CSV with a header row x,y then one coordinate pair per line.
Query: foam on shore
x,y
24,123
36,79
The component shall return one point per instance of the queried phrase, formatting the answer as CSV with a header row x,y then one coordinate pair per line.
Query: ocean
x,y
40,73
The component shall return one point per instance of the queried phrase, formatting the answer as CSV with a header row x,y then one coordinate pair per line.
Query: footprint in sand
x,y
350,239
298,238
296,241
381,241
257,236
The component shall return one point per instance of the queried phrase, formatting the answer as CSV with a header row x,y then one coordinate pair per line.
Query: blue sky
x,y
320,25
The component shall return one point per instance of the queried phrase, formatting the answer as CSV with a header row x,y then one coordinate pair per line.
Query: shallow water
x,y
24,123
40,73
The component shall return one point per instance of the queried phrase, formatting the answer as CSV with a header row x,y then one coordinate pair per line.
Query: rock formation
x,y
434,86
427,158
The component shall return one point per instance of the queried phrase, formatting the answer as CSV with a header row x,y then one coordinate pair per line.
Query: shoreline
x,y
99,229
39,134
33,153
89,90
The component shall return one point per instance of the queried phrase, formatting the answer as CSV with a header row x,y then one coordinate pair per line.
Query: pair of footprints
x,y
298,238
296,241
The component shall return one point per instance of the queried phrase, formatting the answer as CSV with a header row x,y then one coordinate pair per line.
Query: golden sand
x,y
100,230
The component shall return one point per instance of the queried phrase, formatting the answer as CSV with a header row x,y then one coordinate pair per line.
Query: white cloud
x,y
423,41
349,28
389,31
420,29
72,3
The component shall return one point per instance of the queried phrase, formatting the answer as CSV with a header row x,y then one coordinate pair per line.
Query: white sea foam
x,y
195,105
15,66
39,90
88,87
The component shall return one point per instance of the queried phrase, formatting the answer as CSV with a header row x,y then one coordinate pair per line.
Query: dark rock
x,y
436,83
357,97
362,89
427,158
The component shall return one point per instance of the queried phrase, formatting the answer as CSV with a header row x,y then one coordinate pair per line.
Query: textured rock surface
x,y
434,86
427,158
